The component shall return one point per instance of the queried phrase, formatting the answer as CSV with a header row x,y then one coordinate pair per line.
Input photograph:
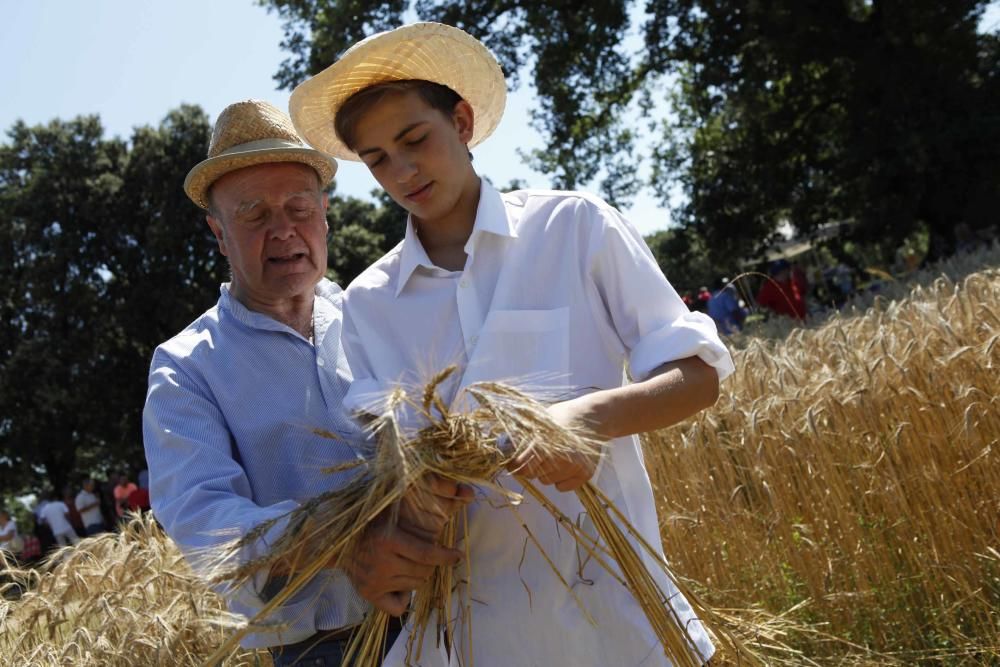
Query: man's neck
x,y
294,312
444,239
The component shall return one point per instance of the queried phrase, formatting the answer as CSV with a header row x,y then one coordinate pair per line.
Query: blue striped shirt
x,y
228,429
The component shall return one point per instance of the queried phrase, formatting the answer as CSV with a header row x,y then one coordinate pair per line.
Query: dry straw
x,y
120,599
846,483
850,472
464,447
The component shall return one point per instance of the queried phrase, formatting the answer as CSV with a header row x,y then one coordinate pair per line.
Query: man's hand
x,y
391,562
429,504
567,472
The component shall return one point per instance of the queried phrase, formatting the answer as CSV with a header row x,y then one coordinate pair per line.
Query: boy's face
x,y
418,154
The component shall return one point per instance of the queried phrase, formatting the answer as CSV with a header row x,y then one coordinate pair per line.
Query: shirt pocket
x,y
528,348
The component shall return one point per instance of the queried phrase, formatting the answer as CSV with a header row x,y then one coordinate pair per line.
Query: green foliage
x,y
880,113
361,232
102,258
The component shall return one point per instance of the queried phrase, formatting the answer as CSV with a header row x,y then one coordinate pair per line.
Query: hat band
x,y
260,145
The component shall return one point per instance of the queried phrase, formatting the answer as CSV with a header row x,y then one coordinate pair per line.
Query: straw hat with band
x,y
426,51
249,133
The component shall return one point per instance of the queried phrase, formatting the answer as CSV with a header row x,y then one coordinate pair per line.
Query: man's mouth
x,y
286,259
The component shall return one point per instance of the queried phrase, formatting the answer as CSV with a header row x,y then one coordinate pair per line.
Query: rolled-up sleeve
x,y
653,323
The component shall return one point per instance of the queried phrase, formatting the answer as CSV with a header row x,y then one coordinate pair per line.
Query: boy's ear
x,y
464,119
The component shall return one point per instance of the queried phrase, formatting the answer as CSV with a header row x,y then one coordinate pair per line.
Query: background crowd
x,y
805,287
62,517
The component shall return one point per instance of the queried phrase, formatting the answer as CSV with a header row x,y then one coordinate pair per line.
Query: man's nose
x,y
282,226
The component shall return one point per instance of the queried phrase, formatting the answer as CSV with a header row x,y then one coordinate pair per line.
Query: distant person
x,y
9,539
123,489
42,530
785,293
138,500
724,307
701,300
75,519
89,507
56,515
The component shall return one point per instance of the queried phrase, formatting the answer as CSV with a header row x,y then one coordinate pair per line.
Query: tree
x,y
876,112
360,233
102,258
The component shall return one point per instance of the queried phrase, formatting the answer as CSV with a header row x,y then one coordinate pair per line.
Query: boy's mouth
x,y
420,193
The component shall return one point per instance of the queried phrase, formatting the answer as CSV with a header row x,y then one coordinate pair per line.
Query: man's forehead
x,y
262,181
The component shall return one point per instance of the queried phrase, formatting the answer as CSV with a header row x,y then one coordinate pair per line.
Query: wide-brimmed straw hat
x,y
427,51
248,133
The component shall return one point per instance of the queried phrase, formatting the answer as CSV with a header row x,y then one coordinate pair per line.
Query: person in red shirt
x,y
123,490
785,293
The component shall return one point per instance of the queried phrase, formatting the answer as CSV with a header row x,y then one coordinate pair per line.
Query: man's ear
x,y
464,119
216,226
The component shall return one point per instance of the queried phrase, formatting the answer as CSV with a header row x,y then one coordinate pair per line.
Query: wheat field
x,y
849,476
841,503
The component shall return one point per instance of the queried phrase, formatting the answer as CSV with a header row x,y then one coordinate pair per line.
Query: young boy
x,y
553,287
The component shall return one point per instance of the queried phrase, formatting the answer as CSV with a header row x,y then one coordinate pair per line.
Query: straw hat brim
x,y
207,172
426,51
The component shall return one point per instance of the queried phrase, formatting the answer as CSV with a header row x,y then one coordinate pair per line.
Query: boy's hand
x,y
430,504
567,472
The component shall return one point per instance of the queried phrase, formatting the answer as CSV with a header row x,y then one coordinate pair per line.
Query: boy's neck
x,y
444,238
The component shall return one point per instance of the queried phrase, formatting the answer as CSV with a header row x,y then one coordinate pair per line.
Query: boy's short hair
x,y
435,95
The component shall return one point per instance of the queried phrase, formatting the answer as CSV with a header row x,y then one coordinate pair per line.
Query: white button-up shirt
x,y
559,295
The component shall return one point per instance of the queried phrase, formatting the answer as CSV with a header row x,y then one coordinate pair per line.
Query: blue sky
x,y
132,61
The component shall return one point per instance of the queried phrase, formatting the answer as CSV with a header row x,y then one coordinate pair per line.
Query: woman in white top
x,y
9,540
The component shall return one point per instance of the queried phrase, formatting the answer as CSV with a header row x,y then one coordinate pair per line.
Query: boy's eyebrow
x,y
399,135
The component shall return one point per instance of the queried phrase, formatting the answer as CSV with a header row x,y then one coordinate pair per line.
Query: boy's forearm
x,y
673,392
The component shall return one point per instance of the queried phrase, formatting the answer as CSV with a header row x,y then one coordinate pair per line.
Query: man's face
x,y
270,222
418,154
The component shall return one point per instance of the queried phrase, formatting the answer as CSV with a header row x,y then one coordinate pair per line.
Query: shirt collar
x,y
491,217
253,319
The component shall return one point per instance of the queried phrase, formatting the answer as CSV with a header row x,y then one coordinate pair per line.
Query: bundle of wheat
x,y
471,447
126,598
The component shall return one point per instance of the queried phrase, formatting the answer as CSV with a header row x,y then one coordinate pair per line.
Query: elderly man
x,y
235,400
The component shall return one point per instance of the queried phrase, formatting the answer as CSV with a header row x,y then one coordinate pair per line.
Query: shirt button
x,y
320,361
473,341
463,283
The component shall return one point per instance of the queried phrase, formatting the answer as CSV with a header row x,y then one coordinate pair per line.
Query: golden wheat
x,y
852,471
118,599
846,486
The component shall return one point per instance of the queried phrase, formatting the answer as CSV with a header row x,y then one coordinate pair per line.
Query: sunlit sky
x,y
131,61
